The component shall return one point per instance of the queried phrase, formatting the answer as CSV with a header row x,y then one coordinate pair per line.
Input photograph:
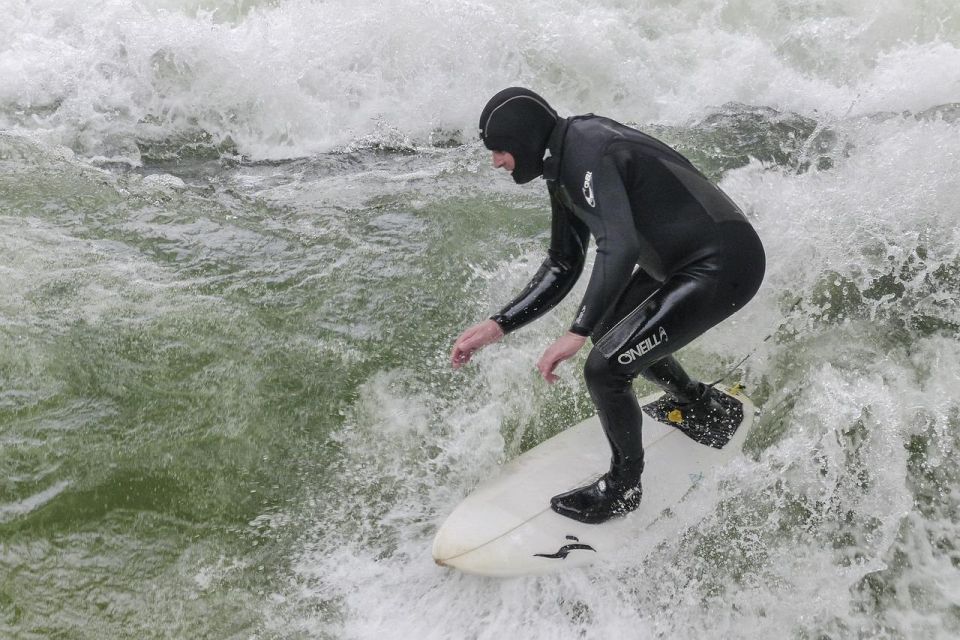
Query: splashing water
x,y
239,237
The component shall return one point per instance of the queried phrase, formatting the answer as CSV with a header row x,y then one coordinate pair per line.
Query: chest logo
x,y
588,189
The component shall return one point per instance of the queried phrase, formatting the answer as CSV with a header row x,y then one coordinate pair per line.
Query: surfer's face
x,y
504,159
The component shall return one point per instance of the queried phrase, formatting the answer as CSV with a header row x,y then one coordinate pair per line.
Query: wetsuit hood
x,y
519,121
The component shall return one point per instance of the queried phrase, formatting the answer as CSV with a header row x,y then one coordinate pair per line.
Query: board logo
x,y
643,346
565,550
588,189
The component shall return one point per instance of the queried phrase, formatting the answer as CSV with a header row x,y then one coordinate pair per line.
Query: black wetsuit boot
x,y
618,491
606,498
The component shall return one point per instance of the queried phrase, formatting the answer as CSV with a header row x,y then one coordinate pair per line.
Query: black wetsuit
x,y
675,256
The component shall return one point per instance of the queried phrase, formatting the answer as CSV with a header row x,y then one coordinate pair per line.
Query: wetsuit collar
x,y
551,164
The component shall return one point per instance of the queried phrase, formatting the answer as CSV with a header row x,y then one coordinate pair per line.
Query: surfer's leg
x,y
620,415
641,341
663,321
612,390
638,336
618,491
667,374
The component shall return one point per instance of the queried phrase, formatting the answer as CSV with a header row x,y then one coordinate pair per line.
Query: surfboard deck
x,y
506,527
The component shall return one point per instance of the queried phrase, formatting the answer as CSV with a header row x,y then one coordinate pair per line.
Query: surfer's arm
x,y
556,276
618,247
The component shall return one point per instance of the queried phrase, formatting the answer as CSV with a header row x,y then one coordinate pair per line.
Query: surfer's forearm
x,y
552,282
558,273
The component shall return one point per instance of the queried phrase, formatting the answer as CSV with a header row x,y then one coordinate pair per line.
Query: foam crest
x,y
280,80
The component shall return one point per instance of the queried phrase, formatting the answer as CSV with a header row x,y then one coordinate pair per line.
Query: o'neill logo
x,y
588,189
643,347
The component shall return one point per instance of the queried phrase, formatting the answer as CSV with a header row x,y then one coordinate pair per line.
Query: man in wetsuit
x,y
675,256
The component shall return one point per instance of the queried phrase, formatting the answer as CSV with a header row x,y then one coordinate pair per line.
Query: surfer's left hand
x,y
563,349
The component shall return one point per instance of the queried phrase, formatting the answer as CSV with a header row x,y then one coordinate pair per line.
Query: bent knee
x,y
602,373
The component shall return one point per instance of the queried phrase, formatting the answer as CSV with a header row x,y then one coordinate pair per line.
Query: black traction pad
x,y
714,431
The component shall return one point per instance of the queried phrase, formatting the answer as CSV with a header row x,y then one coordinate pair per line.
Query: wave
x,y
273,80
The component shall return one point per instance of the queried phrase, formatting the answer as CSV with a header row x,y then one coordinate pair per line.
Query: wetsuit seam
x,y
599,344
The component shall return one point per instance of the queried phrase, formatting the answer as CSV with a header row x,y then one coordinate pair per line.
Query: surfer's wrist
x,y
579,331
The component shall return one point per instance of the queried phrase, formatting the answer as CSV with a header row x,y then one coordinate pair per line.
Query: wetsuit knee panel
x,y
601,373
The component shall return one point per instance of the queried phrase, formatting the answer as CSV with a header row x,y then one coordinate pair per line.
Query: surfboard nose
x,y
463,531
537,545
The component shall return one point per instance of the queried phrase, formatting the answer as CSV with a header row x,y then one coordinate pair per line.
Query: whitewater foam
x,y
282,80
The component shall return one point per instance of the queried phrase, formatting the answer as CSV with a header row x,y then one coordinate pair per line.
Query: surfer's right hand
x,y
476,337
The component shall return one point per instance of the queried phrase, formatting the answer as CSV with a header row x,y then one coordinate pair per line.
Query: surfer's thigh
x,y
669,318
640,288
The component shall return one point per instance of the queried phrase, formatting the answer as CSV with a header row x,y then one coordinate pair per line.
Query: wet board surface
x,y
506,527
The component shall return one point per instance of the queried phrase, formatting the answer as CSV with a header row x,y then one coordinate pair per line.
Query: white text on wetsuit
x,y
588,189
643,347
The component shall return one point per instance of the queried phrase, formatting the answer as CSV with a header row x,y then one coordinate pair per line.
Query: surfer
x,y
675,256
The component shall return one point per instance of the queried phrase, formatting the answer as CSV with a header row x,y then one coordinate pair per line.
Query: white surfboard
x,y
506,527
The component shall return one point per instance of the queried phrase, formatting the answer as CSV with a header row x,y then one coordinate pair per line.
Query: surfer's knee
x,y
601,373
596,370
